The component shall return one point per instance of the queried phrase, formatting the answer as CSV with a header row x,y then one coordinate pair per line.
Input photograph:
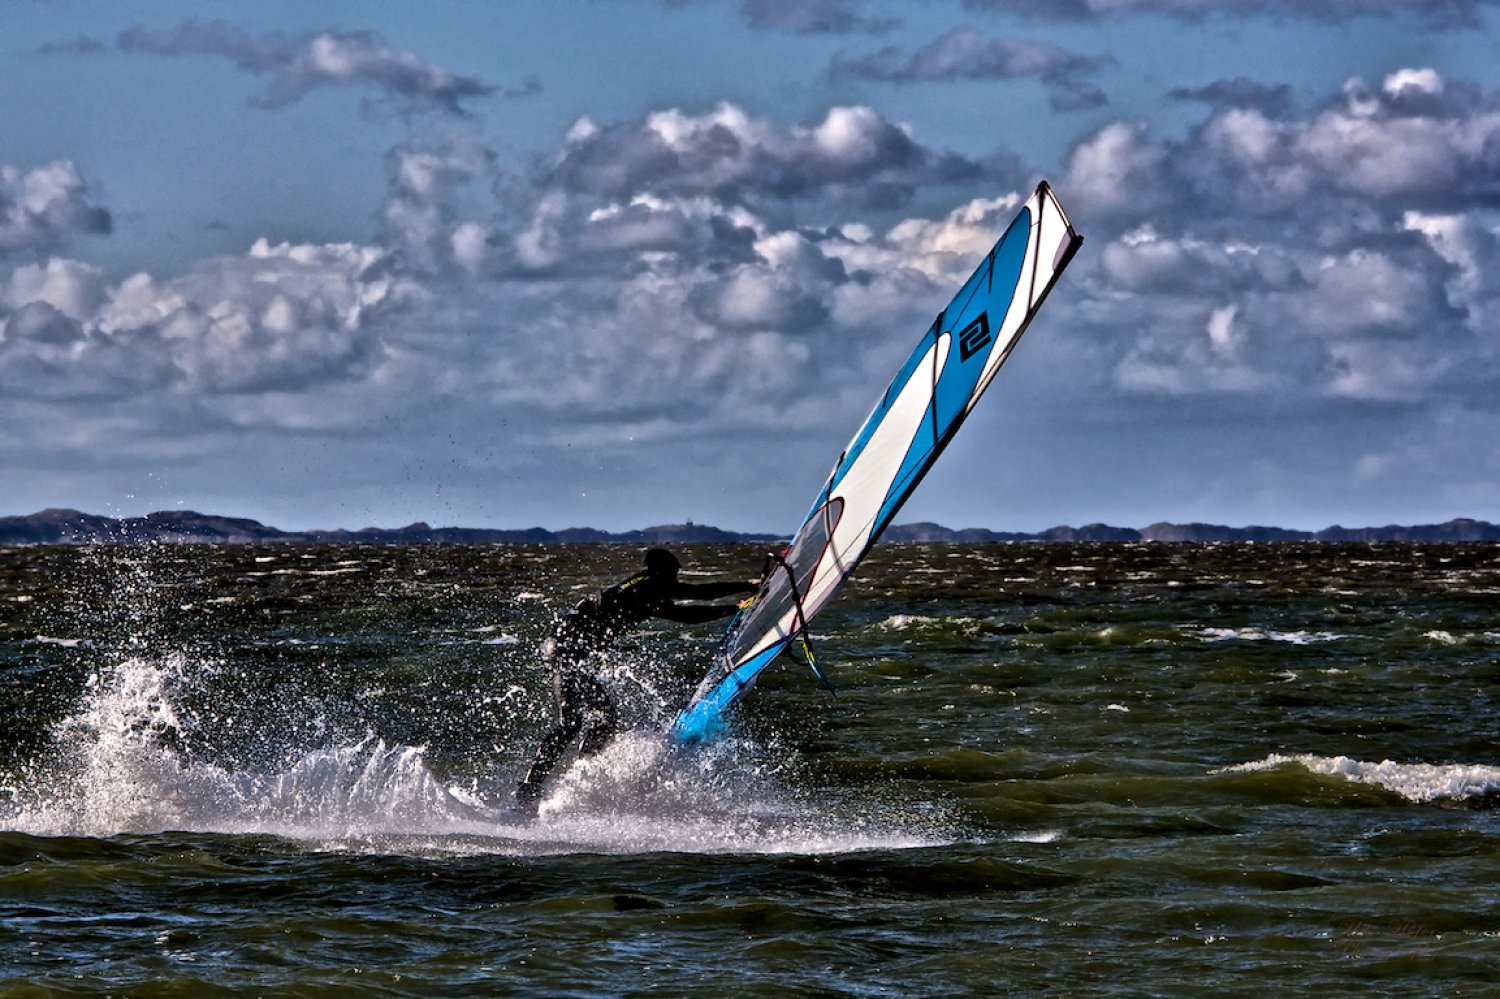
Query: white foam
x,y
1264,635
901,622
1418,782
1038,836
115,772
640,795
905,622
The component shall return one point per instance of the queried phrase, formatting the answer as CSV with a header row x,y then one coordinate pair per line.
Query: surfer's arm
x,y
696,614
713,591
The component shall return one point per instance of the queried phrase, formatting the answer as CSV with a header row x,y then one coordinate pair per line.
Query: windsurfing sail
x,y
913,421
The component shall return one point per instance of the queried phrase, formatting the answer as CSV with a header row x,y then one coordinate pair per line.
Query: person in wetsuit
x,y
592,627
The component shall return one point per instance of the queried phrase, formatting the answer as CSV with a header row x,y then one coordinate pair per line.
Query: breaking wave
x,y
117,768
1417,782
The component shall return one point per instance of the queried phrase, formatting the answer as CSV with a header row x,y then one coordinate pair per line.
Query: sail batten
x,y
910,425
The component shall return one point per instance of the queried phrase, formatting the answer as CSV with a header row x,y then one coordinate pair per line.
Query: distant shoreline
x,y
57,526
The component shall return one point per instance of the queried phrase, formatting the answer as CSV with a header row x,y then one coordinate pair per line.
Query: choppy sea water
x,y
1049,770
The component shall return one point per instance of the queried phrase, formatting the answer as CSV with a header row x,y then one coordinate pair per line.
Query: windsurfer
x,y
572,650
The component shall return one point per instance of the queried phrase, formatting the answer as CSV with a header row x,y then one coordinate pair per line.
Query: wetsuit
x,y
590,628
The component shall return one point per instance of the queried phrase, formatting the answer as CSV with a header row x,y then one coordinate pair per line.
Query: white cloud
x,y
421,218
625,282
328,58
71,287
1221,332
964,53
280,315
469,243
1422,81
1117,172
655,279
1473,251
1366,292
42,208
1339,255
1405,143
854,153
1377,371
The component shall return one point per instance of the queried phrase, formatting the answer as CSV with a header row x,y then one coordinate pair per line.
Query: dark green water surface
x,y
1060,770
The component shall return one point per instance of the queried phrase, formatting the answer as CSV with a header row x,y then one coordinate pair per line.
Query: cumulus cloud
x,y
298,65
421,219
1414,141
589,295
1436,13
1146,261
651,278
854,154
660,278
42,208
280,319
47,355
71,287
1472,252
965,54
697,316
1119,172
653,274
280,316
1341,254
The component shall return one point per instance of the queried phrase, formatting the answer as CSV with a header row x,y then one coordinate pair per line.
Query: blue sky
x,y
627,262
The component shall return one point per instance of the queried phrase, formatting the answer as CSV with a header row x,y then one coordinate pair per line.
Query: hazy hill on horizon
x,y
67,526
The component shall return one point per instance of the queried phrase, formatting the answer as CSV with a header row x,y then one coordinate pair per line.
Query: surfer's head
x,y
661,563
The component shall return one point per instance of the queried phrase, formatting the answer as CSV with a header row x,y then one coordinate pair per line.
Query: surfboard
x,y
910,425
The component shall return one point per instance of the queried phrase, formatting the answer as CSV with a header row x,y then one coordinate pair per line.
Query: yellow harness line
x,y
802,624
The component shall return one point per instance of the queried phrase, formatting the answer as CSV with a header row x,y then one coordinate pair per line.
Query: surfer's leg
x,y
571,701
553,745
604,719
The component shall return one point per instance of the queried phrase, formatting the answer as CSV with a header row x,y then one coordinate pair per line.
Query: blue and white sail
x,y
911,424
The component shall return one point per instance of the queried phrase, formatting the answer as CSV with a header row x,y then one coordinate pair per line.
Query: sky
x,y
619,263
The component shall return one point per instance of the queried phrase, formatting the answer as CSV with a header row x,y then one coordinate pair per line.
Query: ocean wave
x,y
1417,782
1444,637
910,622
117,770
1252,634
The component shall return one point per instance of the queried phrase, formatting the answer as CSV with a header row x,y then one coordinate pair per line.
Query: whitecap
x,y
902,622
1417,782
1037,836
116,770
1253,634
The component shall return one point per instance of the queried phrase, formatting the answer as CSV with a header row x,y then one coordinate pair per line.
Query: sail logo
x,y
975,337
